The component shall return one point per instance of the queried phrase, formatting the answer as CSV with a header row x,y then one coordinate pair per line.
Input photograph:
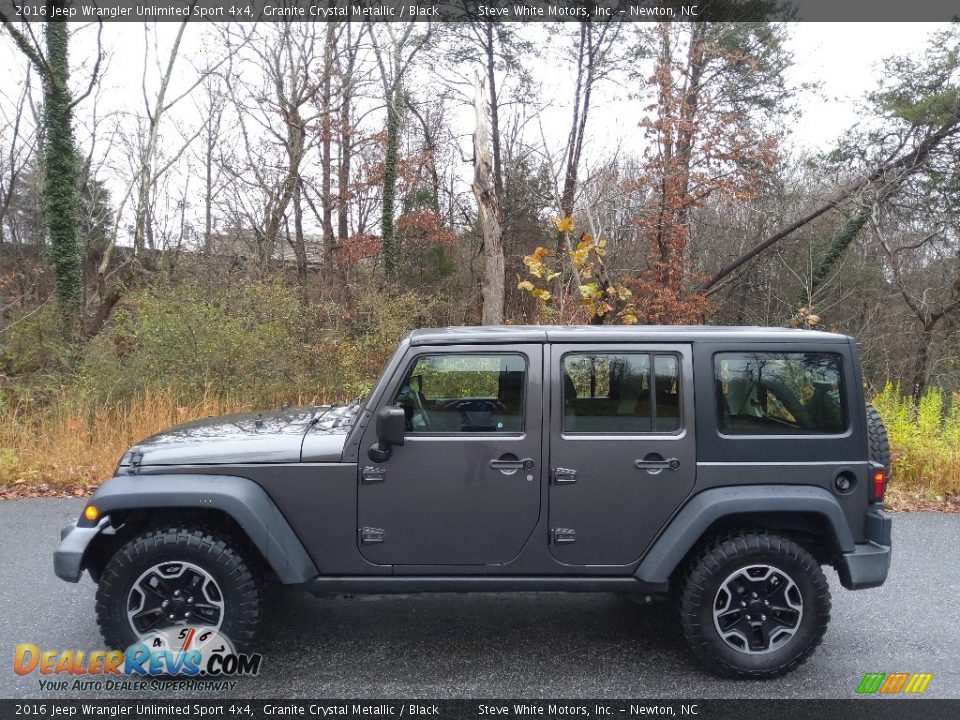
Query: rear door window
x,y
616,393
775,393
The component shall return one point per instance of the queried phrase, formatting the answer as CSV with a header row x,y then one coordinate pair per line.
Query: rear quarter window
x,y
779,393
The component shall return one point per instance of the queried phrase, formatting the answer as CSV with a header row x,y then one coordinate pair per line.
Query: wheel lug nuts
x,y
743,603
172,616
749,618
753,595
190,600
763,617
164,603
187,614
766,602
176,593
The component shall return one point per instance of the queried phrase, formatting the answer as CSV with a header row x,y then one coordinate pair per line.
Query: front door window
x,y
464,394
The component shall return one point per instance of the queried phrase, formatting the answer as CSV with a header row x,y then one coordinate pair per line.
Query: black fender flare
x,y
240,498
702,510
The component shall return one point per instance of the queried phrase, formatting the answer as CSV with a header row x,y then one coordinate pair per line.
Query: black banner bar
x,y
492,10
857,709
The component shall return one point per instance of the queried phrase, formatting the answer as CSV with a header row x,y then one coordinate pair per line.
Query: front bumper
x,y
868,564
68,558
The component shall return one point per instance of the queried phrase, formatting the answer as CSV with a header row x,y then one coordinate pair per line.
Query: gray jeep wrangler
x,y
720,467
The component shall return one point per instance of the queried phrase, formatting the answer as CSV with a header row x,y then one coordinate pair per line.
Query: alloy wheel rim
x,y
757,609
174,593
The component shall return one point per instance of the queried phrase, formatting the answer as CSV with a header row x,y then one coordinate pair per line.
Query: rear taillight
x,y
878,482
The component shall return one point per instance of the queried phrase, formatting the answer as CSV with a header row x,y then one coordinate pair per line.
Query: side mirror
x,y
391,426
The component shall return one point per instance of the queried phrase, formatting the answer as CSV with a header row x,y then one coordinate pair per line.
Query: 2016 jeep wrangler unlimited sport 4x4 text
x,y
721,467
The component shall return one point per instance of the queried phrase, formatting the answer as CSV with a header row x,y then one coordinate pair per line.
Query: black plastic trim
x,y
74,541
361,584
238,497
689,525
865,567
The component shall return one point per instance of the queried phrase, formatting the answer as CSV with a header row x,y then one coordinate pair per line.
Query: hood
x,y
270,436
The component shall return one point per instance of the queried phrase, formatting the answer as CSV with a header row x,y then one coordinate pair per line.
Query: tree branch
x,y
893,172
96,68
32,51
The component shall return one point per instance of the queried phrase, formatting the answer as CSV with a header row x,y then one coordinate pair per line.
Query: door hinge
x,y
564,475
559,536
371,536
372,474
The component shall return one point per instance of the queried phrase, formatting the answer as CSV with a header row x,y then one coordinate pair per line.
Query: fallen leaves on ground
x,y
20,491
920,500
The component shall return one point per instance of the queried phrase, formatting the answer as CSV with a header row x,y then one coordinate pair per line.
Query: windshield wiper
x,y
356,402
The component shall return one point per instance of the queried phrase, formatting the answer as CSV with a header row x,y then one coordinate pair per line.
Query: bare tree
x,y
491,285
18,145
149,166
932,297
285,56
211,109
594,58
395,50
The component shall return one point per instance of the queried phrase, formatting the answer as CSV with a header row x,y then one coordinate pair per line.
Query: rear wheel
x,y
178,576
754,605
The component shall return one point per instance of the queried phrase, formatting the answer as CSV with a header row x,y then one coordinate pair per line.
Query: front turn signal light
x,y
91,513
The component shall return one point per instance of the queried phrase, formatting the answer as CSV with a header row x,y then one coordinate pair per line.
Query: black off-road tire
x,y
877,439
217,554
720,558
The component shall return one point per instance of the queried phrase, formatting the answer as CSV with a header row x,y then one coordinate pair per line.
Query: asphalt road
x,y
514,645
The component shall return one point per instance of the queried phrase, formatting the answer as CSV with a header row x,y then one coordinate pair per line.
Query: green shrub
x,y
195,339
35,360
924,437
33,344
257,342
9,465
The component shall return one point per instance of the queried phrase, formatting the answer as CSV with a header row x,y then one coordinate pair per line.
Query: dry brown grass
x,y
75,441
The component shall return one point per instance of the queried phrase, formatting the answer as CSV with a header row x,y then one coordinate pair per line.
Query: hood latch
x,y
136,457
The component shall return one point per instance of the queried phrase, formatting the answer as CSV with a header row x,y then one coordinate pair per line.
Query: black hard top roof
x,y
467,335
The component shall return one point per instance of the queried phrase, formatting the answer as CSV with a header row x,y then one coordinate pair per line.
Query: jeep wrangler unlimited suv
x,y
720,467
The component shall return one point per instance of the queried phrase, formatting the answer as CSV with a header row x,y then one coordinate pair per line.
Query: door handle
x,y
656,464
512,464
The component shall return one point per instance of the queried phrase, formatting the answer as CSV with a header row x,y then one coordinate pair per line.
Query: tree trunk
x,y
326,130
343,170
61,176
299,246
838,247
491,284
494,114
922,360
345,140
391,250
208,196
578,124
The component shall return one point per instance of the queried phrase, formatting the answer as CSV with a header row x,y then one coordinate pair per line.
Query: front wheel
x,y
178,576
754,605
